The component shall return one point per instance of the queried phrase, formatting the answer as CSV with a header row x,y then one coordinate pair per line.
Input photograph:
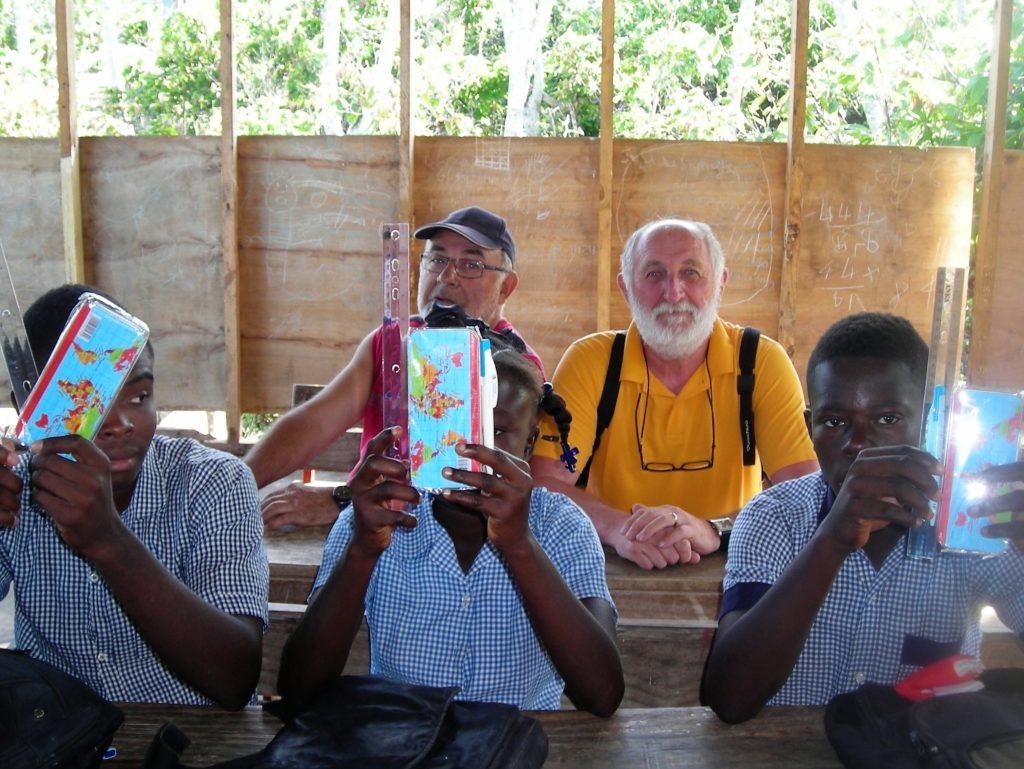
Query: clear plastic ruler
x,y
21,366
395,330
945,353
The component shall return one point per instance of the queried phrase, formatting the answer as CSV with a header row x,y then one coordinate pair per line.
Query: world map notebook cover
x,y
444,402
85,372
984,430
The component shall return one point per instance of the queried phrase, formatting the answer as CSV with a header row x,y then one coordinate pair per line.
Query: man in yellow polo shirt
x,y
668,475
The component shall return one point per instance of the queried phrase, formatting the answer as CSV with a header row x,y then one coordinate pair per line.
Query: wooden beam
x,y
605,168
794,177
70,172
406,140
229,224
991,188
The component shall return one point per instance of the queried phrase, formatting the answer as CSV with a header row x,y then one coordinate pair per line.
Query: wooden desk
x,y
667,738
689,593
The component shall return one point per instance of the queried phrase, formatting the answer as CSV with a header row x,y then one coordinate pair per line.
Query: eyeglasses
x,y
464,268
641,426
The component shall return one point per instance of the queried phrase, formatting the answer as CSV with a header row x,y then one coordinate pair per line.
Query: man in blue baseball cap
x,y
468,264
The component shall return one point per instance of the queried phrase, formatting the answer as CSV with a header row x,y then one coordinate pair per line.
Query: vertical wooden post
x,y
70,173
229,224
991,188
794,176
605,167
406,141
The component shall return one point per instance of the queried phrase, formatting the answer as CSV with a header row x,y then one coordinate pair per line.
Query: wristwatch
x,y
722,525
341,495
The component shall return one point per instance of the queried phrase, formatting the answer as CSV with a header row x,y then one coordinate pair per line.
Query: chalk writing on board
x,y
493,154
303,218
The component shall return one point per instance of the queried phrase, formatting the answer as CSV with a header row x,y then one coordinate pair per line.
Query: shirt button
x,y
465,601
859,678
101,657
94,577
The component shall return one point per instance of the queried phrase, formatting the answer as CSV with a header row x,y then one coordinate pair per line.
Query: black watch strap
x,y
341,495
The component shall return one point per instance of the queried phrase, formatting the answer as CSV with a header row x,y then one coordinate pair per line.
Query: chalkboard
x,y
738,189
877,222
151,217
310,210
547,191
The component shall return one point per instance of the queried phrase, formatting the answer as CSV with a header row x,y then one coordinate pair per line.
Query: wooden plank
x,y
547,190
794,175
30,220
606,174
70,170
736,188
152,217
662,660
309,256
877,223
229,223
407,139
999,362
661,663
679,593
985,353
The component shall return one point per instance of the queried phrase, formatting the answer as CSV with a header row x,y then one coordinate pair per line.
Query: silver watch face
x,y
722,525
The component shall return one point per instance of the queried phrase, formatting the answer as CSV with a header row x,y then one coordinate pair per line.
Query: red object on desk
x,y
950,675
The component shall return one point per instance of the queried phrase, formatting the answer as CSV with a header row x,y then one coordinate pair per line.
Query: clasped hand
x,y
664,535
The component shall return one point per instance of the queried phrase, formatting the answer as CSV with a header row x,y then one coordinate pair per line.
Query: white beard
x,y
670,340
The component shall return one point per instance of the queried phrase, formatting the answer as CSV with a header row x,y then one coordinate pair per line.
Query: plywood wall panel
x,y
30,219
310,210
547,190
151,223
877,222
738,189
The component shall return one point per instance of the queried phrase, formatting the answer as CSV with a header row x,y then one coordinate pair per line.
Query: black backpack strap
x,y
745,388
606,406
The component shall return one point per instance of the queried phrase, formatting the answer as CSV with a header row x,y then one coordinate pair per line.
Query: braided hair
x,y
511,366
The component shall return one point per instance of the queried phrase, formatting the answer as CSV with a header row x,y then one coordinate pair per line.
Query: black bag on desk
x,y
48,719
873,726
364,722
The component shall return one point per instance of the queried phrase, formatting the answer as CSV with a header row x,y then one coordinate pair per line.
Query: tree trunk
x,y
740,65
524,24
381,79
327,93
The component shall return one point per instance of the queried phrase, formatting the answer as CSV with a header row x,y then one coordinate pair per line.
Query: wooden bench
x,y
662,660
666,620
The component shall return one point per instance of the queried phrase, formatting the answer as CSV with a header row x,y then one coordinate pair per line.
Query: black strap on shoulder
x,y
745,387
606,406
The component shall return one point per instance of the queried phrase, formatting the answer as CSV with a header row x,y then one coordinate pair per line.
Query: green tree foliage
x,y
180,94
879,71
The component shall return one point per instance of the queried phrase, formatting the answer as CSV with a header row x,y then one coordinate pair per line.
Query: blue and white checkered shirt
x,y
875,626
197,511
433,625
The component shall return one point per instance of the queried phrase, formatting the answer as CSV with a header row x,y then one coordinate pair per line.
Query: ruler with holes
x,y
394,332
